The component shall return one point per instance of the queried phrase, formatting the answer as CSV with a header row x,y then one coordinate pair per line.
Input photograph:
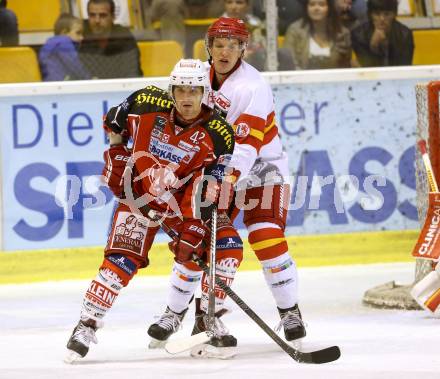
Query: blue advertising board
x,y
350,146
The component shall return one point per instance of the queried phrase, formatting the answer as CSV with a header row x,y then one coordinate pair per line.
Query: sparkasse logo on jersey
x,y
166,152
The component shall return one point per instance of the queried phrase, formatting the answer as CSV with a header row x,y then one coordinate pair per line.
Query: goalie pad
x,y
428,243
427,292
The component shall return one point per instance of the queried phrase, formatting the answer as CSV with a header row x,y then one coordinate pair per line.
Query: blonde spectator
x,y
58,57
318,40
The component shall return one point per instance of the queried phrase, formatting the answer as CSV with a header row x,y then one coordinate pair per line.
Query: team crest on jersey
x,y
242,130
129,233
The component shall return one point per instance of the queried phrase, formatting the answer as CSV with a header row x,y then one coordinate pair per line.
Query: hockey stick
x,y
326,355
428,167
212,274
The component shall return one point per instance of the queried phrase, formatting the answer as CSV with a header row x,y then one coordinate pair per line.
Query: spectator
x,y
171,14
58,57
255,53
382,40
344,9
318,40
203,8
8,26
108,50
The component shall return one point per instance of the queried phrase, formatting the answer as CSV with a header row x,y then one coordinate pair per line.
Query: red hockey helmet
x,y
228,27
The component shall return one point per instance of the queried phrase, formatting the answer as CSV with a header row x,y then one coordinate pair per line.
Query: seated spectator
x,y
318,40
172,15
344,9
58,57
108,50
382,40
255,53
203,8
8,26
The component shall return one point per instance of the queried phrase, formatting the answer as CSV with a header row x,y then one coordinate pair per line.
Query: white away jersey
x,y
245,99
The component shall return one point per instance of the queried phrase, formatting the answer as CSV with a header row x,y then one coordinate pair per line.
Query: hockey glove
x,y
115,158
190,241
116,117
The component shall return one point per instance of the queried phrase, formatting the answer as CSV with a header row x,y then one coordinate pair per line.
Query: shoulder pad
x,y
152,99
221,133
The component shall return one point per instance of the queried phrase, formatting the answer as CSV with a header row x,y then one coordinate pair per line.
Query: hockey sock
x,y
100,295
184,283
225,270
281,277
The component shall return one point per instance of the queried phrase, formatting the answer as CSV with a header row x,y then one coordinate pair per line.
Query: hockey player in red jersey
x,y
245,99
179,159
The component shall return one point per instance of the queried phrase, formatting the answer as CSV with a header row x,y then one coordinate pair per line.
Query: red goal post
x,y
392,295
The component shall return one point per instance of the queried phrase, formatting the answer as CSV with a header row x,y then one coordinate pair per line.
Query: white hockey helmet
x,y
190,72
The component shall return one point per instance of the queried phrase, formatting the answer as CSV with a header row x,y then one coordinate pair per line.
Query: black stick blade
x,y
326,355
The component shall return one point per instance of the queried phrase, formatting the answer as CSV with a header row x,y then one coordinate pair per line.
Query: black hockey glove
x,y
116,117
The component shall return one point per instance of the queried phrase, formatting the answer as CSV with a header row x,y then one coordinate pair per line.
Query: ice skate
x,y
79,341
222,345
292,323
169,323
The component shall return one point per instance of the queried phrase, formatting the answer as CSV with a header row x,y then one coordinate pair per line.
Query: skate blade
x,y
209,351
297,344
71,357
157,344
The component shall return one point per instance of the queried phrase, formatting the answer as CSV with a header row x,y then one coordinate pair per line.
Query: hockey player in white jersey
x,y
245,99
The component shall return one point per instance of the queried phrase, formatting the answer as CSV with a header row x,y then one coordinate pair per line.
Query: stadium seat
x,y
280,41
19,64
35,16
425,42
199,51
159,57
204,22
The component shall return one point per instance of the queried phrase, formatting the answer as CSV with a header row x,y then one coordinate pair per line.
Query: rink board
x,y
308,251
340,128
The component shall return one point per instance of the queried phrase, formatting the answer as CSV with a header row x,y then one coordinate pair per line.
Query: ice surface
x,y
36,320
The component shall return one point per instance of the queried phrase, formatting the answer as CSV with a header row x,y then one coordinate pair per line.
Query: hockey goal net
x,y
392,295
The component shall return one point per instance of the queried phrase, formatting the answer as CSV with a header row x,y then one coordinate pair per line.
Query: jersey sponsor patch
x,y
218,171
222,102
98,292
224,159
166,152
229,243
222,129
159,123
242,130
129,233
163,137
185,146
123,263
